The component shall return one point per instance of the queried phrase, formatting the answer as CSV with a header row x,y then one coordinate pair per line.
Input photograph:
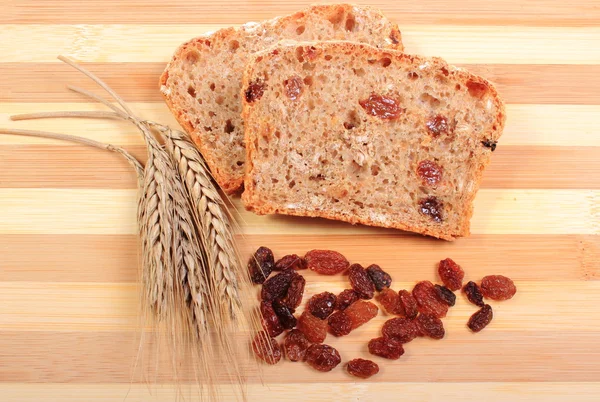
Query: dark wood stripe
x,y
541,84
108,357
469,12
98,258
516,167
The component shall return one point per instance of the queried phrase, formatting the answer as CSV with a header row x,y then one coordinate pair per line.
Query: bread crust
x,y
261,204
219,162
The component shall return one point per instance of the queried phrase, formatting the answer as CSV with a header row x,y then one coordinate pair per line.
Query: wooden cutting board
x,y
68,266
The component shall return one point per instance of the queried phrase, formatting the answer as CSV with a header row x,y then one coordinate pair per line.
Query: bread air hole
x,y
234,45
350,23
328,57
292,184
337,17
308,80
212,86
359,72
229,127
413,76
191,91
219,100
300,30
192,57
239,163
432,101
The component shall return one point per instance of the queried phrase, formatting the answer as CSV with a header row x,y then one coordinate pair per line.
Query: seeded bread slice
x,y
201,84
350,132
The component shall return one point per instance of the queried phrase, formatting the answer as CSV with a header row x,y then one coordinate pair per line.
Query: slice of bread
x,y
201,84
350,132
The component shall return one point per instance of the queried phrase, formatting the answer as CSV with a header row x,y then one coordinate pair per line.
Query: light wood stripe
x,y
517,83
29,43
102,258
371,391
96,307
531,125
91,211
509,12
107,357
82,167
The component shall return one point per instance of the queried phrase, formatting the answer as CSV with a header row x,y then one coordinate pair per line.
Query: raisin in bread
x,y
201,84
350,132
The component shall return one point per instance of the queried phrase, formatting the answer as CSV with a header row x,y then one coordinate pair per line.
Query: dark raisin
x,y
490,144
380,278
290,261
430,326
390,300
429,172
473,293
446,295
254,91
362,368
381,106
340,323
408,304
293,87
326,262
295,291
361,312
277,286
432,207
437,125
346,298
322,305
322,357
285,315
401,329
451,273
388,348
315,329
481,318
498,287
295,345
428,301
361,282
261,265
266,348
270,320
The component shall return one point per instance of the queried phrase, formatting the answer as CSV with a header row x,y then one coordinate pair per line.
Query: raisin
x,y
490,144
381,106
270,320
446,295
277,286
437,125
254,91
451,273
346,298
315,329
477,89
481,318
380,278
362,368
498,287
340,323
408,305
285,315
322,305
295,345
388,348
473,293
361,312
401,329
322,357
429,172
326,262
390,300
432,207
428,301
293,87
266,348
361,282
261,265
430,326
295,291
290,261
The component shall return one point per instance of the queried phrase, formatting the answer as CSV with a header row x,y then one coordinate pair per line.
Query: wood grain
x,y
69,328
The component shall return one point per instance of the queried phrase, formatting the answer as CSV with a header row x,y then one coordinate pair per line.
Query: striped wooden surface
x,y
68,270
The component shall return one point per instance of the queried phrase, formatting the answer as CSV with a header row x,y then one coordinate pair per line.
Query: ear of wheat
x,y
192,276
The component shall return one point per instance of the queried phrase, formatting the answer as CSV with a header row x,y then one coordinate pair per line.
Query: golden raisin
x,y
429,172
326,262
254,91
498,287
437,125
381,106
451,273
266,348
362,368
293,87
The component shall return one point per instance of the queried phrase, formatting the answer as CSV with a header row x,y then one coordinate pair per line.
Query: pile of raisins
x,y
417,313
